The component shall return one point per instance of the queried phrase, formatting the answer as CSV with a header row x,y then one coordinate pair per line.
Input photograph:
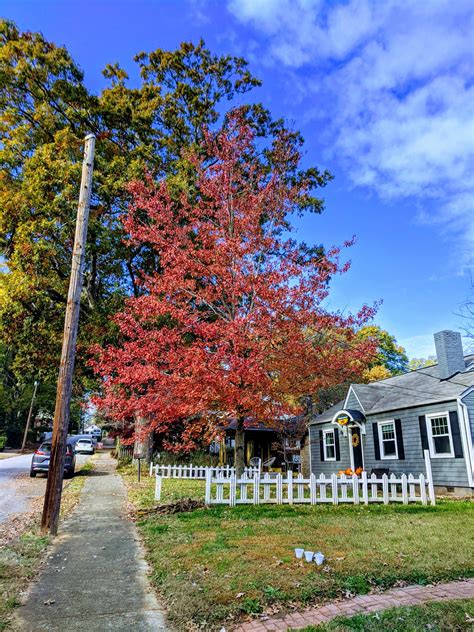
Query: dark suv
x,y
40,460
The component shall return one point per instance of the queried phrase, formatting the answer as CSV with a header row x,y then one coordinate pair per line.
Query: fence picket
x,y
279,489
289,483
423,489
429,477
373,487
355,489
365,489
393,487
256,489
404,489
335,493
312,489
385,489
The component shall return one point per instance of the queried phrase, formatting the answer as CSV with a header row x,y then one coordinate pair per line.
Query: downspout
x,y
467,441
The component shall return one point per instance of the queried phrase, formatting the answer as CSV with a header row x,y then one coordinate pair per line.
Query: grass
x,y
19,560
218,564
452,616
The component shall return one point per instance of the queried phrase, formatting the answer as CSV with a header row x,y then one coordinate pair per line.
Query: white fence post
x,y
158,481
429,476
279,489
385,489
232,490
365,488
150,473
404,489
256,489
312,489
208,487
289,483
355,489
423,489
411,487
335,492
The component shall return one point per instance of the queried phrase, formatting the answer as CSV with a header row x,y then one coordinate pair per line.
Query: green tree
x,y
390,355
421,363
45,112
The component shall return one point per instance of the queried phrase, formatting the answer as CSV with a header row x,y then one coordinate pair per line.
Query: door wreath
x,y
355,440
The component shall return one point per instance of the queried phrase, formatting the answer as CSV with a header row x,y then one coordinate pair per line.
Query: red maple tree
x,y
232,324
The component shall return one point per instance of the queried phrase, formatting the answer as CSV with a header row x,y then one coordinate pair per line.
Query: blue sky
x,y
383,93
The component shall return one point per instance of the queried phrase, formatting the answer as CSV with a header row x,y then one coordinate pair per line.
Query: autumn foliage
x,y
232,323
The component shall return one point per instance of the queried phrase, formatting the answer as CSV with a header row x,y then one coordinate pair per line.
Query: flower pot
x,y
299,553
309,555
319,558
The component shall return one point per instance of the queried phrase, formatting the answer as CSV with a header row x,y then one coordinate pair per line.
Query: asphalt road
x,y
17,489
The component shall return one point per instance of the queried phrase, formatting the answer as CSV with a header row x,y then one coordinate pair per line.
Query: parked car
x,y
84,446
40,460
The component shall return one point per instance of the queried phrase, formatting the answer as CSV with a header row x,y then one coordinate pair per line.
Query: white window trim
x,y
390,457
325,433
429,432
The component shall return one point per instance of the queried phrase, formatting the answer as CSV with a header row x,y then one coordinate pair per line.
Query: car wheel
x,y
32,474
69,474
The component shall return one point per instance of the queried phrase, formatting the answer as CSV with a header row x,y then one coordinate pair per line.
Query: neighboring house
x,y
94,430
280,441
387,425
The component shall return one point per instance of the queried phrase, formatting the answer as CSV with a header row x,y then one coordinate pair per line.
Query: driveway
x,y
17,490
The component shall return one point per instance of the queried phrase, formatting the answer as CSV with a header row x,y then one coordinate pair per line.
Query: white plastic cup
x,y
319,558
309,555
299,553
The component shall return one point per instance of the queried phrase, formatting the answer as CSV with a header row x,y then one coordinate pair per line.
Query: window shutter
x,y
336,443
455,431
321,445
423,433
375,430
400,446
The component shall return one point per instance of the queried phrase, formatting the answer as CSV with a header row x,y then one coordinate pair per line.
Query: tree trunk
x,y
143,440
239,462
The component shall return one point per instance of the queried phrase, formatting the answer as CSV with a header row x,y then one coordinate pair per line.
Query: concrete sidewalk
x,y
95,576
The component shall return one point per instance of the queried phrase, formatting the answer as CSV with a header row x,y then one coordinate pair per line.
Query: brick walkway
x,y
407,596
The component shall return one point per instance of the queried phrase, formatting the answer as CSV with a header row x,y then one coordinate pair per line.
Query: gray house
x,y
385,426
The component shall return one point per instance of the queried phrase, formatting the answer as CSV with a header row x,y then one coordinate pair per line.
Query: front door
x,y
356,441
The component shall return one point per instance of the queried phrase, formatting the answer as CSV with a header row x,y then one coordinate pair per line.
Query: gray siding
x,y
353,402
327,467
449,471
446,471
469,401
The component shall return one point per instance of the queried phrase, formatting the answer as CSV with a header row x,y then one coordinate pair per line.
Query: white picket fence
x,y
223,487
198,472
323,489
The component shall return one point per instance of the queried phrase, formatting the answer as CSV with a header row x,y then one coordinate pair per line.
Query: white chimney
x,y
449,353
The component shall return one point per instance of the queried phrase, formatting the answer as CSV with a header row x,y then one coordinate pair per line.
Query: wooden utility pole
x,y
52,499
29,418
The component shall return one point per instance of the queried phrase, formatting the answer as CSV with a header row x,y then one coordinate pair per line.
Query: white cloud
x,y
394,83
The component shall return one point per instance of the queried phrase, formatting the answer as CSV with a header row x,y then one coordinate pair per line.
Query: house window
x,y
439,434
329,445
388,440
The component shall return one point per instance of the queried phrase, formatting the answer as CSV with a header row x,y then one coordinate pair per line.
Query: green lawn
x,y
220,563
450,616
